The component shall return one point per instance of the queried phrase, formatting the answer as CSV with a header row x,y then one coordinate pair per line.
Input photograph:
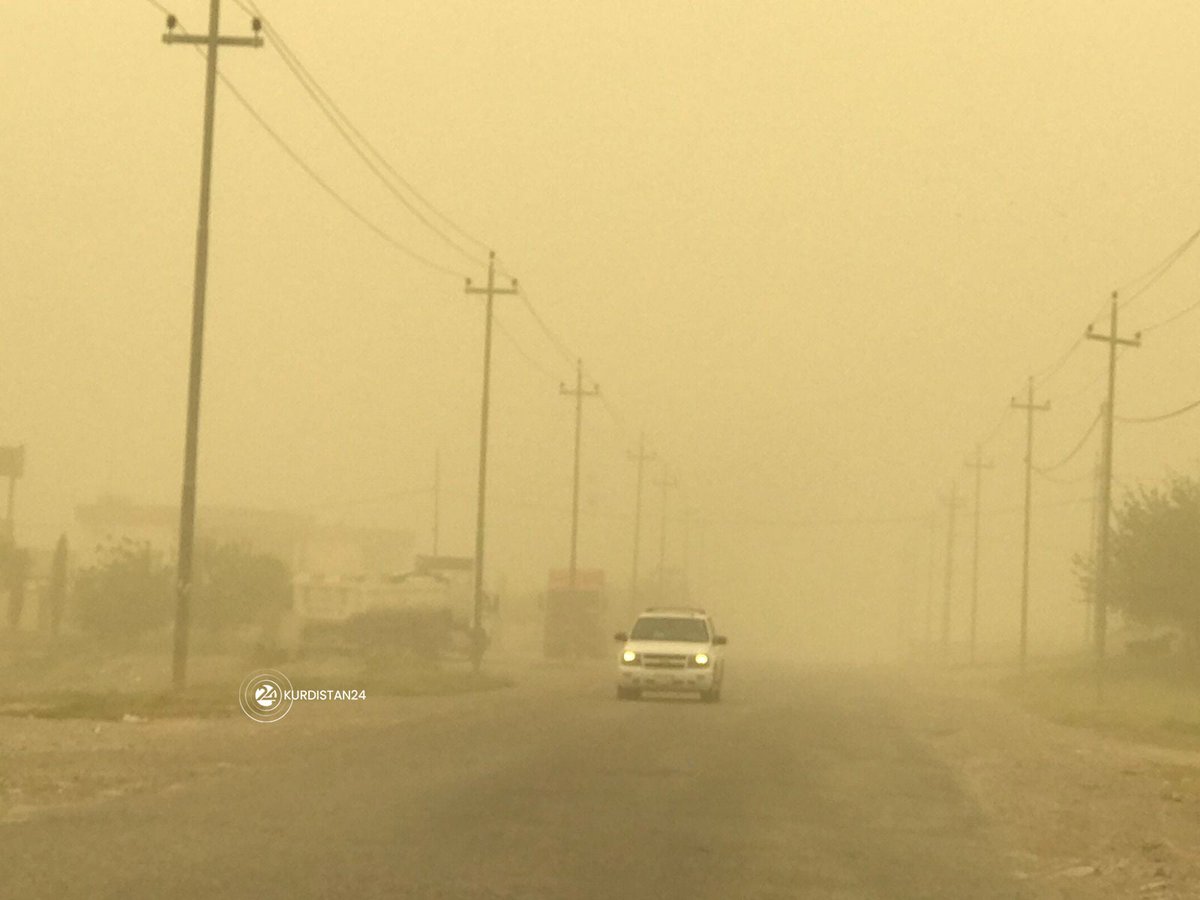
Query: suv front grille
x,y
664,660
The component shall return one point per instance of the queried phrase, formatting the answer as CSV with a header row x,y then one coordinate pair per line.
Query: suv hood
x,y
686,647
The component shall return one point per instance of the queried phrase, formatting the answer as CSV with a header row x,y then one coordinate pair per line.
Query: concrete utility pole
x,y
187,508
665,483
490,292
978,465
641,458
1103,573
952,503
578,393
1030,408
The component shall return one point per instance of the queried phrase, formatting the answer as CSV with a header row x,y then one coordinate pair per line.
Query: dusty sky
x,y
812,248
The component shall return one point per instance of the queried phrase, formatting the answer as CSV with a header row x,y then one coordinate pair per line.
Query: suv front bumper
x,y
644,678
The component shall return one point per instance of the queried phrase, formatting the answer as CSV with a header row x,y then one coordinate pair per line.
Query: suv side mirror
x,y
620,636
719,640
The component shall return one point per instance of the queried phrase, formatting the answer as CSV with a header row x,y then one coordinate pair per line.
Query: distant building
x,y
301,542
436,583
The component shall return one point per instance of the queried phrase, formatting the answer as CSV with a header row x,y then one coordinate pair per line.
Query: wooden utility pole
x,y
437,498
641,458
578,393
978,465
930,581
1103,563
665,483
952,503
490,292
1030,408
1090,601
187,507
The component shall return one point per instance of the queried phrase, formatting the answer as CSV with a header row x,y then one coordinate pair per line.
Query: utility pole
x,y
437,498
641,458
578,393
689,513
1090,600
978,465
929,581
1103,568
490,292
187,508
952,503
1030,408
665,483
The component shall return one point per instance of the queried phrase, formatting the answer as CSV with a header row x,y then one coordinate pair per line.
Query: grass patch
x,y
1156,700
206,702
218,697
391,676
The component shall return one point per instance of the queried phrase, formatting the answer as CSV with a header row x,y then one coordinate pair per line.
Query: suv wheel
x,y
624,693
711,696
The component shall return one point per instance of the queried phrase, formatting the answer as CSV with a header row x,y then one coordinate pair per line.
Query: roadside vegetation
x,y
110,660
1156,700
1152,673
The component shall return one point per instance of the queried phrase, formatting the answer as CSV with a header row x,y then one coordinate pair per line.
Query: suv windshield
x,y
670,629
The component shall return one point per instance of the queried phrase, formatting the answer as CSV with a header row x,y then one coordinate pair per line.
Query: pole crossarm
x,y
1135,341
205,40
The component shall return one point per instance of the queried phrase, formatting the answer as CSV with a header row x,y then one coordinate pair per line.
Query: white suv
x,y
675,650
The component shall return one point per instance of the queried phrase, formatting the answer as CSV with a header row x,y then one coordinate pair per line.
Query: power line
x,y
354,137
325,186
1158,271
995,430
1147,419
559,344
1042,470
162,9
312,173
1171,319
1091,476
1054,368
521,351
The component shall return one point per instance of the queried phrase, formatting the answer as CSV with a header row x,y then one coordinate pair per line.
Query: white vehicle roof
x,y
673,612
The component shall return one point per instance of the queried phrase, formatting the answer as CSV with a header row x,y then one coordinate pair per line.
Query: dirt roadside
x,y
54,759
1083,814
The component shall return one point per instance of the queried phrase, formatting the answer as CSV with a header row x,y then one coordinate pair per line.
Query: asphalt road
x,y
797,784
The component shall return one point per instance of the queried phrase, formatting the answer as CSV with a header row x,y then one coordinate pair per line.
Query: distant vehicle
x,y
673,650
575,616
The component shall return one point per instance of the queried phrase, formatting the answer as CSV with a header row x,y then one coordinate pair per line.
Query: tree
x,y
126,592
56,589
14,574
238,586
1155,566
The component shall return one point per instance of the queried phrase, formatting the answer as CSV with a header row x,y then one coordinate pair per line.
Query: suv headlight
x,y
629,658
699,659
